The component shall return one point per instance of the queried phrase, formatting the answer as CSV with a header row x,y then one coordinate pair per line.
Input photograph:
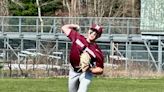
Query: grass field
x,y
97,85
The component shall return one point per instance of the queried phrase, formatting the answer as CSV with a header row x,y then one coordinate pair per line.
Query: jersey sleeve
x,y
100,62
73,35
99,58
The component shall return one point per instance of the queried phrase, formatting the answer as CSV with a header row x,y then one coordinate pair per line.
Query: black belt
x,y
78,70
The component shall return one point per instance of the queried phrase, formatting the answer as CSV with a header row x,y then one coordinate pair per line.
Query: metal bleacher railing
x,y
31,26
120,34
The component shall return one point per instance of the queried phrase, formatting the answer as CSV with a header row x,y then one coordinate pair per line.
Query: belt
x,y
78,70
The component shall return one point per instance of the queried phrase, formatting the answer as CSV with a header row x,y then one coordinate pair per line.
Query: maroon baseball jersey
x,y
80,44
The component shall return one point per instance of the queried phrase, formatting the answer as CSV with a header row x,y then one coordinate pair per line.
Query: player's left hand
x,y
84,61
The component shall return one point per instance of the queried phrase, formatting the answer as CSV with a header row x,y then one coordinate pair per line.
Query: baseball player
x,y
86,58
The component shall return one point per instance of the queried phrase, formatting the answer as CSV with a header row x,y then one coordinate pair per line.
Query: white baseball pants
x,y
79,82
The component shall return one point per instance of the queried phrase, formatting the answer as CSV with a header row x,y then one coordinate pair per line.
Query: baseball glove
x,y
84,61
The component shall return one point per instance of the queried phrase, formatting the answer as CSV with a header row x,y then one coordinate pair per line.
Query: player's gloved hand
x,y
84,61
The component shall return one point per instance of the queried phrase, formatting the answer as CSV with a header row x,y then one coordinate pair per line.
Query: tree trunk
x,y
40,16
4,11
103,8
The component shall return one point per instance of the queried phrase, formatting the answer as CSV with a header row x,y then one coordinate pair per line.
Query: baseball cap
x,y
97,28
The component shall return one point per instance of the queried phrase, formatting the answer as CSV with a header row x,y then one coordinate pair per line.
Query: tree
x,y
23,8
30,7
4,11
50,7
102,8
39,14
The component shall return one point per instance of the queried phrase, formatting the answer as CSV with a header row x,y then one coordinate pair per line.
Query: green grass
x,y
97,85
33,85
127,85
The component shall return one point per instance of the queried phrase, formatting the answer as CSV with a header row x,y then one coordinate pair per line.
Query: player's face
x,y
92,35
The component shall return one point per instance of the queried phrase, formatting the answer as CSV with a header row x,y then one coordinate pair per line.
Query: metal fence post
x,y
2,24
66,56
20,24
159,55
22,41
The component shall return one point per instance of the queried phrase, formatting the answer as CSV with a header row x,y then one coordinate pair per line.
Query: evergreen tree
x,y
29,7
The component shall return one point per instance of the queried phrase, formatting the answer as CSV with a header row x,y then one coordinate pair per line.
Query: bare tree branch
x,y
39,14
18,3
46,3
